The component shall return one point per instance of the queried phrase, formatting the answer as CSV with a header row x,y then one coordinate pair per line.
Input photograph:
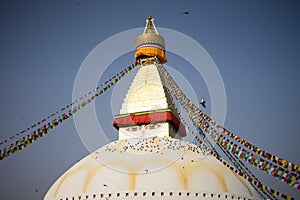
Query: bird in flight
x,y
203,102
186,13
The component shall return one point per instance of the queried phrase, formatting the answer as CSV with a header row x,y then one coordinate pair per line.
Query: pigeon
x,y
203,102
185,13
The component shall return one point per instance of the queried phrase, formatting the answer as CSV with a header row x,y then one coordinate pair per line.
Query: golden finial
x,y
150,43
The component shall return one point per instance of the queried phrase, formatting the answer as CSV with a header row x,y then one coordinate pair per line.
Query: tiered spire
x,y
148,108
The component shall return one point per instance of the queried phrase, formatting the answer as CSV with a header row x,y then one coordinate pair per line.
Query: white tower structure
x,y
150,160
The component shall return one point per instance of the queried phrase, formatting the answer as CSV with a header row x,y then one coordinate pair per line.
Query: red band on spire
x,y
148,118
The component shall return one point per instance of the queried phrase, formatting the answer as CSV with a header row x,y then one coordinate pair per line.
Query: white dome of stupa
x,y
150,168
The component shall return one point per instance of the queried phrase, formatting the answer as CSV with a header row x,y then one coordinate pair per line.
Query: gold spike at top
x,y
150,26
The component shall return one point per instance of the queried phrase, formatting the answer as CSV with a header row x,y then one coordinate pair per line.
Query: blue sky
x,y
255,45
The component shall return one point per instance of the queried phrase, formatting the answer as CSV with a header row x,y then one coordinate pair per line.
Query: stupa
x,y
150,160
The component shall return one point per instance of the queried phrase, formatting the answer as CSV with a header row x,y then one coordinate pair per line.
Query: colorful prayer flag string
x,y
45,128
254,160
282,162
252,181
194,112
113,80
257,183
207,148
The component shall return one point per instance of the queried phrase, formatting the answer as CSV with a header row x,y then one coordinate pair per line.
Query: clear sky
x,y
255,45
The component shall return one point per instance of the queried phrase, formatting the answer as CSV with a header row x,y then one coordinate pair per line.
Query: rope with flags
x,y
60,110
194,114
282,162
237,168
271,168
207,148
64,114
